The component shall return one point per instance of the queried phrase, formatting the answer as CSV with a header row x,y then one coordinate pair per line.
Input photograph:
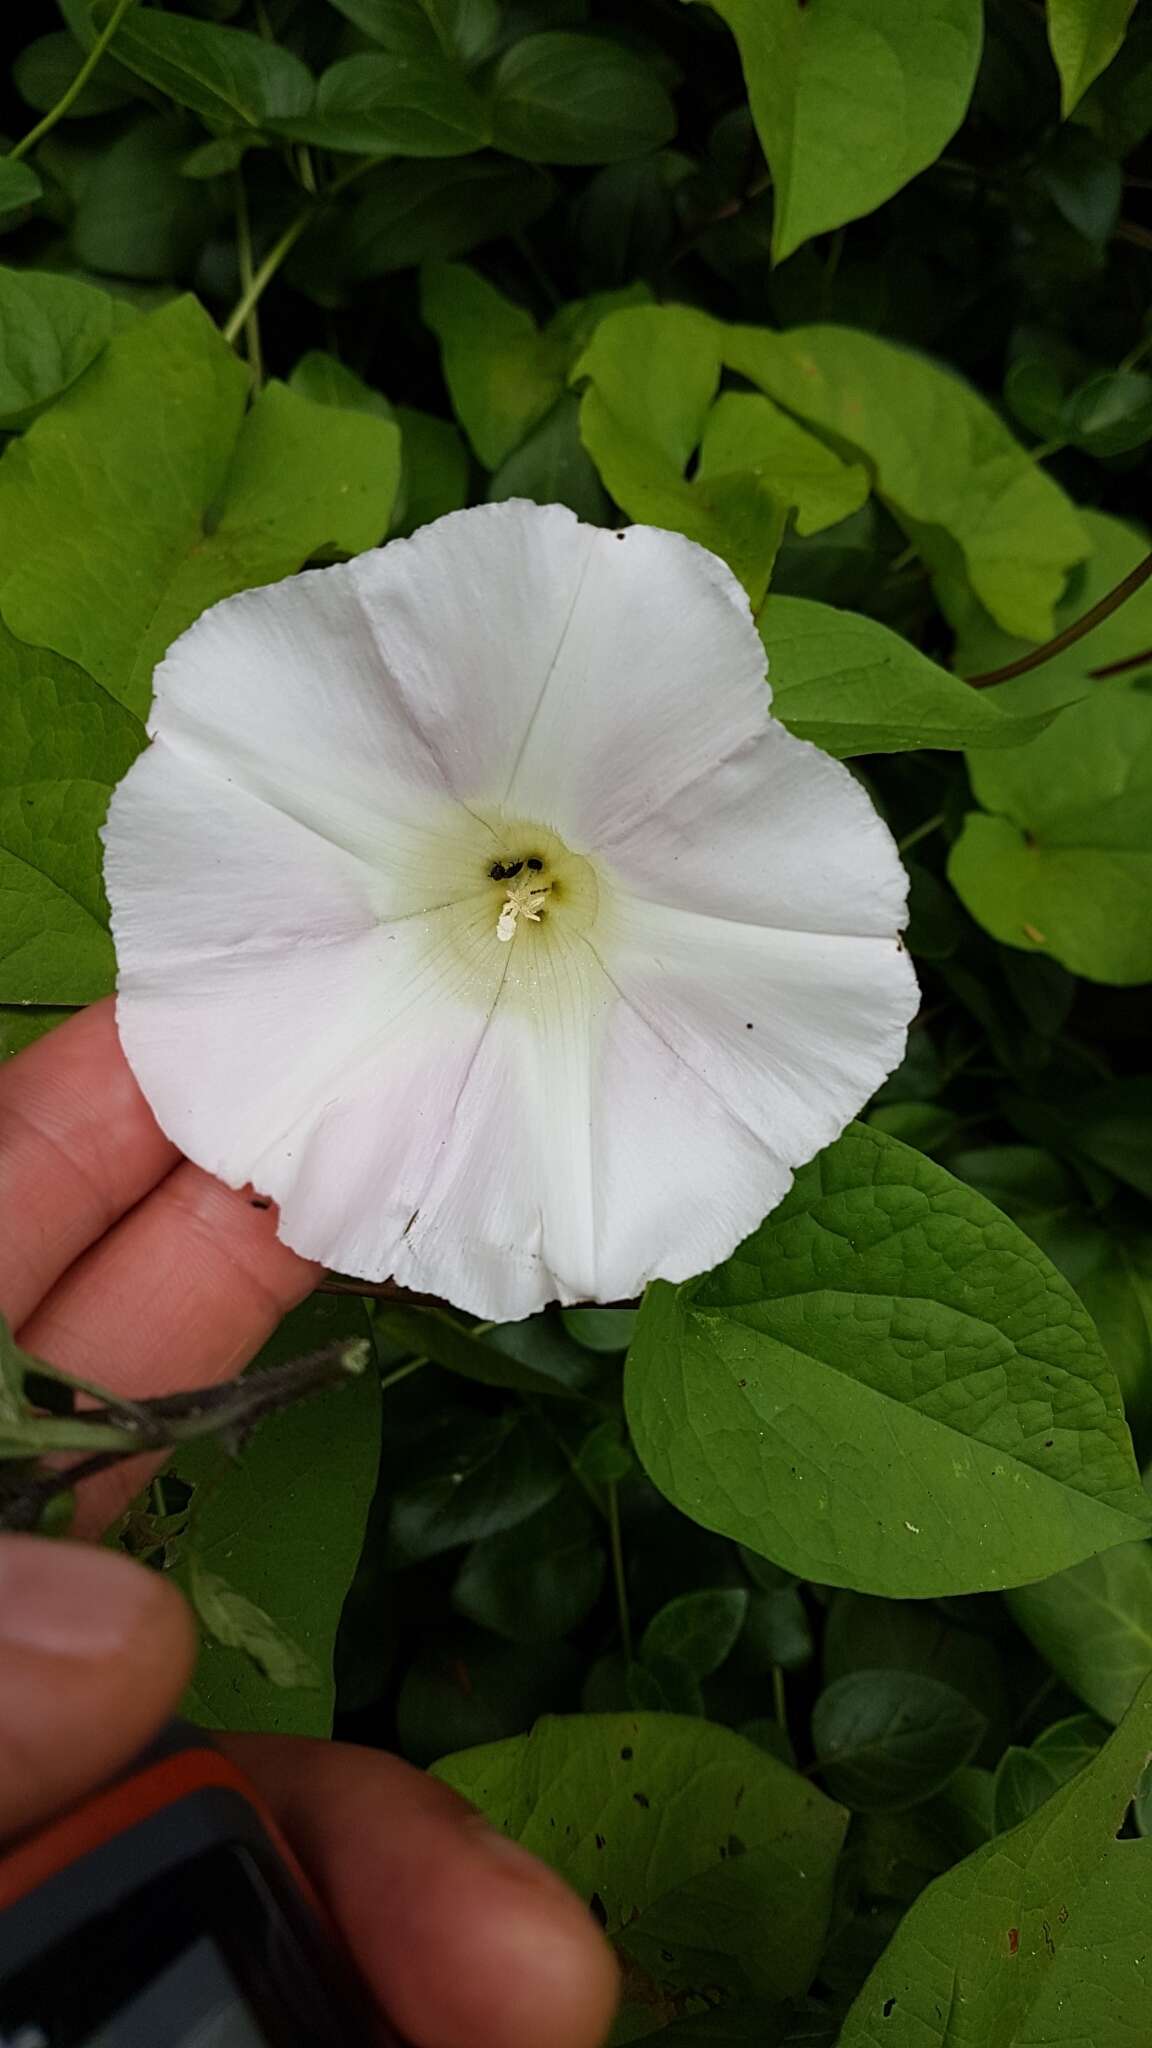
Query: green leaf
x,y
577,99
1117,548
139,215
851,98
1025,1778
421,212
238,1624
889,1739
328,381
504,376
651,374
208,502
226,75
887,1386
20,188
64,743
51,328
1063,865
435,470
1041,1936
283,1527
852,686
1085,36
971,500
696,1630
378,105
536,1582
710,1863
1093,1624
744,430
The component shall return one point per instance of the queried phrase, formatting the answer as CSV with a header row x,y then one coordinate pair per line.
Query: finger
x,y
182,1293
78,1146
467,1940
94,1654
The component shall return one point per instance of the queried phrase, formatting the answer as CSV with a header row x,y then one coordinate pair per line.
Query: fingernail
x,y
63,1600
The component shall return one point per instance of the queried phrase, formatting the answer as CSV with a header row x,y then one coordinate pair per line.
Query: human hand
x,y
122,1263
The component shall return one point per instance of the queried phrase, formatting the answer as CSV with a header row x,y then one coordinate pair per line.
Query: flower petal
x,y
282,1032
567,673
778,834
282,691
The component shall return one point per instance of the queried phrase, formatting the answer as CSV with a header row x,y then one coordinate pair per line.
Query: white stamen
x,y
524,900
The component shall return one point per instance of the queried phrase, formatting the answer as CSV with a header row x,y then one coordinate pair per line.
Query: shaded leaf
x,y
888,1739
376,105
696,1630
577,99
536,1582
224,74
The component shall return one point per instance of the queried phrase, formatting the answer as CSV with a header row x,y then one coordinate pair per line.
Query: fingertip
x,y
527,1951
467,1940
94,1653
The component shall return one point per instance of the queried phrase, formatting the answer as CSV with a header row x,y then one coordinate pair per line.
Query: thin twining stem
x,y
68,98
1125,589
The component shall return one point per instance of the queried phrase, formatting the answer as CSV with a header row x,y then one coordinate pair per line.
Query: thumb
x,y
94,1653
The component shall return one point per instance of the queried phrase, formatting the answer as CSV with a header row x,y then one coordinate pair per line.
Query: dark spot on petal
x,y
534,862
260,1201
747,1027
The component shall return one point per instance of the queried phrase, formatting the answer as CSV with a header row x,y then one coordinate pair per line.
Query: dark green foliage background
x,y
515,248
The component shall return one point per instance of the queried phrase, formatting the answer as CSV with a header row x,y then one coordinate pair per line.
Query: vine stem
x,y
262,277
618,1577
254,290
67,99
247,275
1134,581
620,1580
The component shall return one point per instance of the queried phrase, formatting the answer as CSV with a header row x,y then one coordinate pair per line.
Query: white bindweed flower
x,y
469,903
